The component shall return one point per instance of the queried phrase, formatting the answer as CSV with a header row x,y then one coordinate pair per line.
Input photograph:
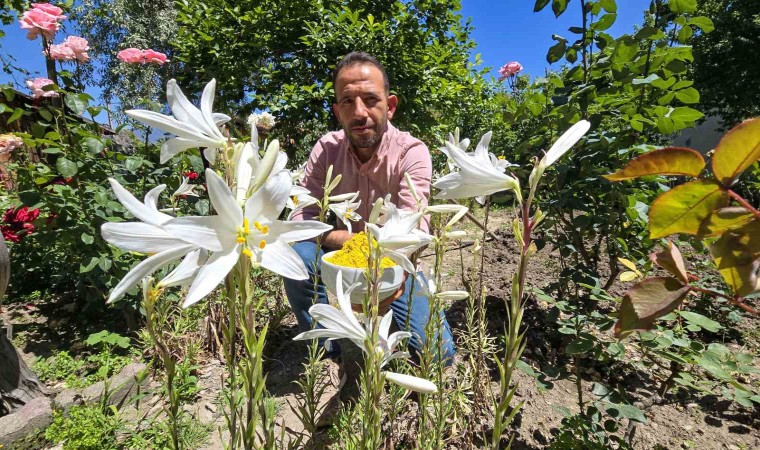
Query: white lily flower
x,y
147,236
251,170
185,188
345,210
399,236
560,147
266,120
343,324
298,174
565,142
253,231
300,198
194,127
477,175
185,272
430,290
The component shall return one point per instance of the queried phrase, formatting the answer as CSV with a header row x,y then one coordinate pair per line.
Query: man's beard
x,y
370,140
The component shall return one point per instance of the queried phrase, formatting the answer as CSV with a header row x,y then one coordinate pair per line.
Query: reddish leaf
x,y
683,208
736,151
671,260
666,161
647,301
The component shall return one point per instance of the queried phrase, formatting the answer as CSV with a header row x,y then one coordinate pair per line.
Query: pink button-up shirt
x,y
397,154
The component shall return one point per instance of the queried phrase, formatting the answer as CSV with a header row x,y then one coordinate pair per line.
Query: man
x,y
372,156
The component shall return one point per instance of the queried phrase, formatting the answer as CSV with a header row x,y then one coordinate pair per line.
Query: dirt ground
x,y
686,420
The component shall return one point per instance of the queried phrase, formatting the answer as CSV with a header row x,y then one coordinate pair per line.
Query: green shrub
x,y
85,428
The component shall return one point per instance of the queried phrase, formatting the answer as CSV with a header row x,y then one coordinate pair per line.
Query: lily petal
x,y
299,230
207,232
212,274
223,201
146,268
281,259
139,209
412,383
139,237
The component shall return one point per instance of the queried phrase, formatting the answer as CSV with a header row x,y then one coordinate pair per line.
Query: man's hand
x,y
334,240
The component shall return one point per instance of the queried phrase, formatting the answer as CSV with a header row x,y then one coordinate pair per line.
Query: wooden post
x,y
18,384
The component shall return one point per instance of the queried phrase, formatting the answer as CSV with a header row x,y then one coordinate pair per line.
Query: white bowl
x,y
390,279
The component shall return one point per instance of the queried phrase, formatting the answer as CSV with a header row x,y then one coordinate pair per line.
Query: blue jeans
x,y
301,292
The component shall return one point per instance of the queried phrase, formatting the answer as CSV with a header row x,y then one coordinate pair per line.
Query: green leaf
x,y
577,346
45,114
666,161
688,96
540,4
738,149
647,80
725,219
604,22
66,167
77,102
685,114
711,363
626,411
682,6
735,257
133,163
647,301
556,52
609,5
87,239
684,34
559,6
683,208
701,321
703,23
17,113
92,145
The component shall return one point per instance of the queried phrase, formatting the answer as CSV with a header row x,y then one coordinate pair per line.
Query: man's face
x,y
362,107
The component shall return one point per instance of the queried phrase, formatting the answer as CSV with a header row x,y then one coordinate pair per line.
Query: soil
x,y
683,419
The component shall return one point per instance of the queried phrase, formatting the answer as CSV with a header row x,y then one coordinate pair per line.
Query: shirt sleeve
x,y
314,181
417,163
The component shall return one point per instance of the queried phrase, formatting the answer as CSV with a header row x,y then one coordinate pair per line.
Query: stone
x,y
36,414
121,387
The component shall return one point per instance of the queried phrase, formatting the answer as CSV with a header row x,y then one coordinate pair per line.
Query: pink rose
x,y
510,69
152,56
137,56
49,9
61,52
79,46
10,142
42,18
130,55
36,86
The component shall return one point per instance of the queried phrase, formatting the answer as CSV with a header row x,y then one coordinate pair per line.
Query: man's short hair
x,y
355,58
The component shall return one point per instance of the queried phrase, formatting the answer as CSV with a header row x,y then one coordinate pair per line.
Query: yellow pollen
x,y
262,244
246,227
295,200
501,157
240,240
257,225
265,229
247,252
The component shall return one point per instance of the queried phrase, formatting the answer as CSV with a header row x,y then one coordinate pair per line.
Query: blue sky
x,y
505,30
509,30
